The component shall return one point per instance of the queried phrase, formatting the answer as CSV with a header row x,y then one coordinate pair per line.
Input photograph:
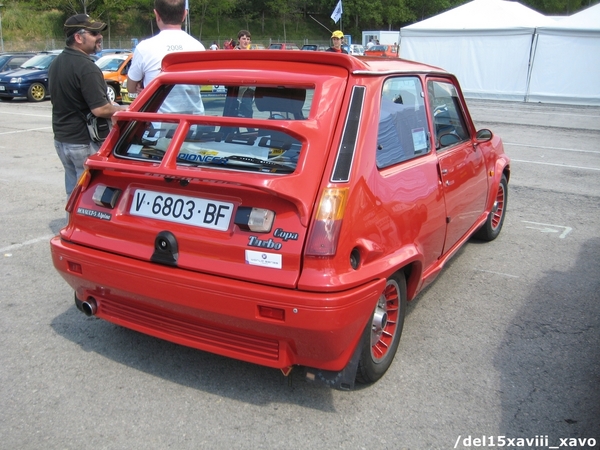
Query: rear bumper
x,y
220,315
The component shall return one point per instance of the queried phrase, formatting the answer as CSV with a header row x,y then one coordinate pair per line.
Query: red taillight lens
x,y
271,313
74,267
328,223
82,184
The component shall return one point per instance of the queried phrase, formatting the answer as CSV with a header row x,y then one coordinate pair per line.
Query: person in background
x,y
78,88
337,37
229,44
148,54
244,40
370,44
214,46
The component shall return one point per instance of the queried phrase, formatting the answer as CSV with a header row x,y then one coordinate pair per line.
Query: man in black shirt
x,y
77,87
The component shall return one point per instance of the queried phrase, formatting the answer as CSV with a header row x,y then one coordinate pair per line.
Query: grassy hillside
x,y
24,29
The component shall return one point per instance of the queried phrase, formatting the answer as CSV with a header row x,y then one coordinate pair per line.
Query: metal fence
x,y
129,42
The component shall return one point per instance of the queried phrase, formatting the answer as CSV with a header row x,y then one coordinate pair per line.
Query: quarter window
x,y
403,128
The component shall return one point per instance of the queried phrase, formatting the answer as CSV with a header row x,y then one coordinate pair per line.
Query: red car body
x,y
291,234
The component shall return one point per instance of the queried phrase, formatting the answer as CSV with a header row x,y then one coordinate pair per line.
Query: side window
x,y
16,62
126,68
403,132
448,120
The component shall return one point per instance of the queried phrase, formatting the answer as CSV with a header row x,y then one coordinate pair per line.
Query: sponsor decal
x,y
270,260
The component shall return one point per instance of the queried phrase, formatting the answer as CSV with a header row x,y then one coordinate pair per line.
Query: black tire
x,y
382,334
493,225
36,92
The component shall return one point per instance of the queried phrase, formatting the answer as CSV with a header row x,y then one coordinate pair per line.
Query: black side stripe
x,y
345,156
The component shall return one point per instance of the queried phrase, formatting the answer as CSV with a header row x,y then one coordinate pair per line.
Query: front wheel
x,y
111,93
36,92
382,334
492,226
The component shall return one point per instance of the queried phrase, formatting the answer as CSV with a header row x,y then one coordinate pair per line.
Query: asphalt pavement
x,y
501,351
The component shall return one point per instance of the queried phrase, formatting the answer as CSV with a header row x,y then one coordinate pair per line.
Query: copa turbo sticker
x,y
271,260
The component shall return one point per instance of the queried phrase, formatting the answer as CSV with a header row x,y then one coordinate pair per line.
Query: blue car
x,y
30,80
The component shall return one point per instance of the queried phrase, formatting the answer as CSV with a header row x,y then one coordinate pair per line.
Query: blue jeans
x,y
72,157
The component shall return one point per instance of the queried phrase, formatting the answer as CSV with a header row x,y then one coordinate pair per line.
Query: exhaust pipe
x,y
89,307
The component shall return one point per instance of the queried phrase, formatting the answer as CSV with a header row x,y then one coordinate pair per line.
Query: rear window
x,y
246,145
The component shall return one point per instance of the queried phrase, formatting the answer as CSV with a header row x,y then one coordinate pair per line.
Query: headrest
x,y
280,99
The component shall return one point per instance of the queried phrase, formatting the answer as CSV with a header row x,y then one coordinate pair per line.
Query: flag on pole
x,y
336,15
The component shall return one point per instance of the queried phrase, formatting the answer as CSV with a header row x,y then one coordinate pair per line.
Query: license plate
x,y
2,88
182,209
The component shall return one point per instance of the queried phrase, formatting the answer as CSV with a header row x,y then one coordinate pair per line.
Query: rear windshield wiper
x,y
241,161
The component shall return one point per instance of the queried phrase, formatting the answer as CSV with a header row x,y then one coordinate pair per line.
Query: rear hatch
x,y
223,185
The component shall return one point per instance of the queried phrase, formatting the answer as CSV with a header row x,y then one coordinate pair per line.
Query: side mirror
x,y
484,135
447,139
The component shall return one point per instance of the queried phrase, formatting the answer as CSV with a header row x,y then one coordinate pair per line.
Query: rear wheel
x,y
36,92
492,226
382,334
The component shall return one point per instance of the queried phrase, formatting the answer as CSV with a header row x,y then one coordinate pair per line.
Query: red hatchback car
x,y
288,222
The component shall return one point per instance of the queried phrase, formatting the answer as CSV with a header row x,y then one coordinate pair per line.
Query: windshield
x,y
40,62
110,63
246,145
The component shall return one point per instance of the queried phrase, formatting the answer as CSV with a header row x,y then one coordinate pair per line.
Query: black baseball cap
x,y
82,22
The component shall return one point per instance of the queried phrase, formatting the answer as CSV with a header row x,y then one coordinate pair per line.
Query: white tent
x,y
566,65
485,43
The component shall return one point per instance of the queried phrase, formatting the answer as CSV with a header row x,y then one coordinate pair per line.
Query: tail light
x,y
325,232
82,184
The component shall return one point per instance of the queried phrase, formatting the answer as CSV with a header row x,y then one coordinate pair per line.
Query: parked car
x,y
112,51
385,51
284,46
115,66
356,49
126,97
314,47
210,90
293,231
12,61
30,80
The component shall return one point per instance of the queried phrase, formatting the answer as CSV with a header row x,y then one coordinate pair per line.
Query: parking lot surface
x,y
503,348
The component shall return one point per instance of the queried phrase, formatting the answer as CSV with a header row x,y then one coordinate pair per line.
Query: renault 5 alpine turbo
x,y
289,221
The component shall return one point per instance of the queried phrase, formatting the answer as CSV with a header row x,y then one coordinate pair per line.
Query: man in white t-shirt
x,y
148,55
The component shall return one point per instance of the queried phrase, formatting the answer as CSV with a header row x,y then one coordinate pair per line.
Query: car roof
x,y
354,64
121,56
17,53
112,51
